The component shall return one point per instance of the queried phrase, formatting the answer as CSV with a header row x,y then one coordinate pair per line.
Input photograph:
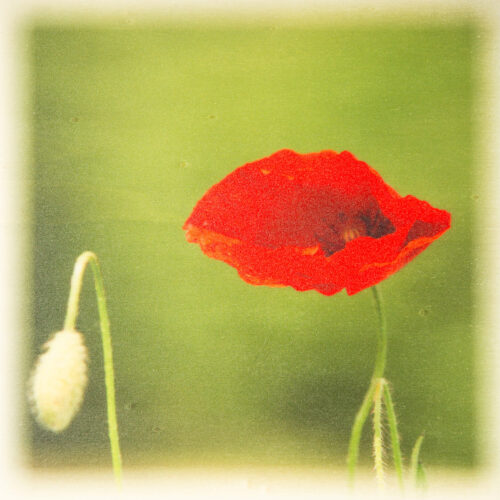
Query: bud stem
x,y
69,324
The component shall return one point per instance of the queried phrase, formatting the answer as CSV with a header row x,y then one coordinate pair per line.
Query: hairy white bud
x,y
59,380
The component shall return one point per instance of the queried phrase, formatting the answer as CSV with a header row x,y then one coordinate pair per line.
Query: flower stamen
x,y
350,234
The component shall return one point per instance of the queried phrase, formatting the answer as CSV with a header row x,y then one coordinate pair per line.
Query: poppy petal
x,y
324,221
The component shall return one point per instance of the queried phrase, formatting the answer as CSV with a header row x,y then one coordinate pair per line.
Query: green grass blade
x,y
393,427
416,469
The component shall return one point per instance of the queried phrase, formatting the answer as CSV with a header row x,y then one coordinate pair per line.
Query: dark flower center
x,y
307,218
335,232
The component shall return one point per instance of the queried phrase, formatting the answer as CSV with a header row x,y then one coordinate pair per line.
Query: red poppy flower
x,y
323,221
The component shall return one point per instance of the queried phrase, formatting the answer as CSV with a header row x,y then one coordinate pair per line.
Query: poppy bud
x,y
59,380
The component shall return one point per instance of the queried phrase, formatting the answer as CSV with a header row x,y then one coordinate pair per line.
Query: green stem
x,y
69,324
393,426
378,372
378,445
381,358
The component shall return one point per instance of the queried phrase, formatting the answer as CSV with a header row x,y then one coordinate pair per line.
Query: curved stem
x,y
378,372
75,290
69,324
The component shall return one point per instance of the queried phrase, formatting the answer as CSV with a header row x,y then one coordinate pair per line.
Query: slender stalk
x,y
381,358
378,372
393,427
75,290
378,445
69,324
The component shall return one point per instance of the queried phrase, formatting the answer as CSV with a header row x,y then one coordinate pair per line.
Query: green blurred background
x,y
132,124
